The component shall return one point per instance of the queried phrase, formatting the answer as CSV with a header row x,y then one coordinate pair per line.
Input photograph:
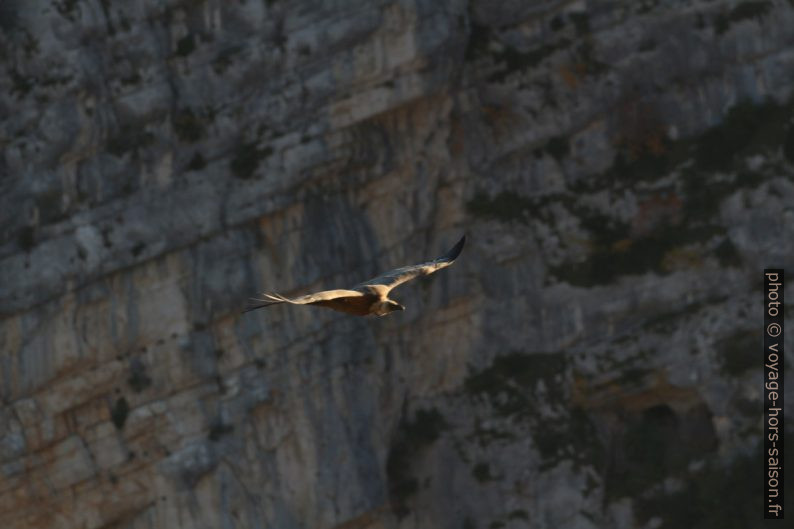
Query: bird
x,y
370,297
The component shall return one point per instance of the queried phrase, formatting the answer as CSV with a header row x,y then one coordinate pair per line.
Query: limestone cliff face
x,y
624,170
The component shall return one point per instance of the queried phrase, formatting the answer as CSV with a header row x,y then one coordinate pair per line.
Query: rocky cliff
x,y
624,171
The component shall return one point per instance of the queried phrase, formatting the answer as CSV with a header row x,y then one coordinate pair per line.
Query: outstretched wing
x,y
350,301
395,277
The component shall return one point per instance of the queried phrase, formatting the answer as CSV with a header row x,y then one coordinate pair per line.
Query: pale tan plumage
x,y
369,297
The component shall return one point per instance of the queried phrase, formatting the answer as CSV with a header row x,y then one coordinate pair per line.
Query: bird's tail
x,y
269,299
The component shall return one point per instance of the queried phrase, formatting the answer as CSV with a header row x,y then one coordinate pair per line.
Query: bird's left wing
x,y
393,278
342,300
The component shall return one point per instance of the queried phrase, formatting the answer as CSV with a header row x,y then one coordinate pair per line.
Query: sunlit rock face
x,y
623,171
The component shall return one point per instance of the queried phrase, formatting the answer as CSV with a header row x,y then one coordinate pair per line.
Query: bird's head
x,y
393,305
387,306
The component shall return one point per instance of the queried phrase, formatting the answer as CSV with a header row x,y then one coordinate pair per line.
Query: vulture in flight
x,y
369,297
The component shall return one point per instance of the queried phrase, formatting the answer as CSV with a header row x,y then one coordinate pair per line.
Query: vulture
x,y
369,297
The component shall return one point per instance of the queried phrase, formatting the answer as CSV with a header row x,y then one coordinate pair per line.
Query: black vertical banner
x,y
773,394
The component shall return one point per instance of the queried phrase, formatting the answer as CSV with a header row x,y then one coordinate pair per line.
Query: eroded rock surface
x,y
624,171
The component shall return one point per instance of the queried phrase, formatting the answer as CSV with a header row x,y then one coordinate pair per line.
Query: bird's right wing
x,y
351,301
395,277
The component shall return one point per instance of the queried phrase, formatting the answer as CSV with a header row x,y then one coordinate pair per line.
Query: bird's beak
x,y
402,307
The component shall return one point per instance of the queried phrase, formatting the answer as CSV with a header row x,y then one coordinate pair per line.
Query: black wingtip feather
x,y
455,251
253,305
